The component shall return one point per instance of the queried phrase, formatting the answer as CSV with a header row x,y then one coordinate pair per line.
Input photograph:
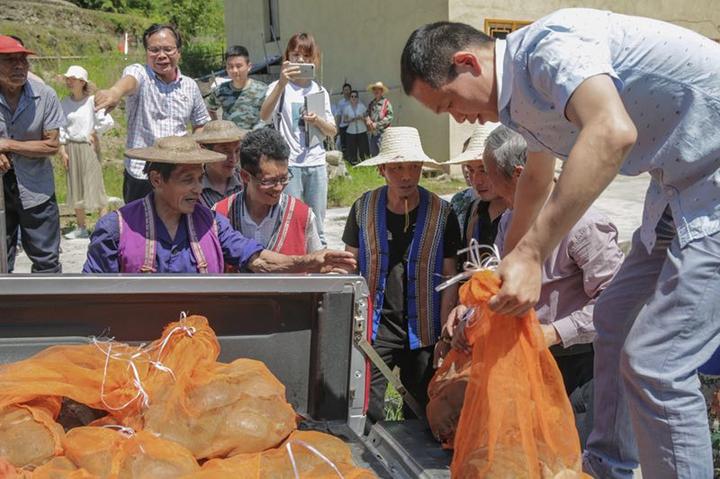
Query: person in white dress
x,y
79,149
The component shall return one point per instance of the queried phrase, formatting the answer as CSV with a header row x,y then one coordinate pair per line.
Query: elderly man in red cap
x,y
30,120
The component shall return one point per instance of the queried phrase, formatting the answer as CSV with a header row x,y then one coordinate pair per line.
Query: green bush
x,y
201,57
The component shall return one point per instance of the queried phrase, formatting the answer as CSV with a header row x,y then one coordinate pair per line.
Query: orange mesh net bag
x,y
29,436
517,421
446,393
304,455
213,409
97,375
106,453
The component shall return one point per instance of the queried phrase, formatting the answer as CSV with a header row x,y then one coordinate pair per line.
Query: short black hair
x,y
263,141
347,85
427,55
237,51
356,92
165,169
156,27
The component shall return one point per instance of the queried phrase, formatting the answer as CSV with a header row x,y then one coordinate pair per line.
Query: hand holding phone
x,y
305,71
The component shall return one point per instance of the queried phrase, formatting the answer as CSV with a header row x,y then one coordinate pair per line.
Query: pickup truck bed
x,y
301,326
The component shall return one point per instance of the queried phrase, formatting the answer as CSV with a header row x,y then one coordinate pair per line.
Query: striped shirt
x,y
667,78
210,195
158,109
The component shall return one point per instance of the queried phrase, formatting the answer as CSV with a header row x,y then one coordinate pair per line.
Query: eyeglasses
x,y
271,182
165,50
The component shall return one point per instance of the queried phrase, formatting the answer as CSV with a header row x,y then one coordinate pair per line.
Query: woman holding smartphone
x,y
284,108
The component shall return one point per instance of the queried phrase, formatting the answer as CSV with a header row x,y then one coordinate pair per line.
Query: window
x,y
500,28
272,21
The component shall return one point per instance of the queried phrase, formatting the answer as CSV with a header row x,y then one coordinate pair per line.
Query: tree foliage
x,y
192,17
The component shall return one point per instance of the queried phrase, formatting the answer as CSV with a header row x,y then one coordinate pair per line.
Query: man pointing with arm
x,y
608,93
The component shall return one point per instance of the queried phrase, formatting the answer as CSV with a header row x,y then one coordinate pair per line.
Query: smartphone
x,y
307,71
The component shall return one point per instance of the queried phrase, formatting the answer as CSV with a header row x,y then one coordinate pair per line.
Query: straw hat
x,y
179,150
219,131
378,84
400,144
477,144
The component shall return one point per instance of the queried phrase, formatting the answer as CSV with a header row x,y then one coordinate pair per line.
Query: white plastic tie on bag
x,y
480,257
312,449
141,393
125,431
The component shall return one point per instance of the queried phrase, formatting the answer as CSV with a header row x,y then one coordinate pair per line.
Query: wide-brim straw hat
x,y
378,84
179,150
400,144
219,131
476,146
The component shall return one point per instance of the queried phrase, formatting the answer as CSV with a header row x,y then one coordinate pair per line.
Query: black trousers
x,y
416,370
134,189
577,373
39,227
357,147
342,131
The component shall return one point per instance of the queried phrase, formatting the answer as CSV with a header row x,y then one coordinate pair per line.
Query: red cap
x,y
10,45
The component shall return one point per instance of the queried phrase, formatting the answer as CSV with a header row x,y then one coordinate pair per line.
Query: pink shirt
x,y
575,274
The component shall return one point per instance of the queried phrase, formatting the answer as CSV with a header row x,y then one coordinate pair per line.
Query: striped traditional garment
x,y
424,262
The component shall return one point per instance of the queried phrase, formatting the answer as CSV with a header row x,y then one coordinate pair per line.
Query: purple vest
x,y
138,244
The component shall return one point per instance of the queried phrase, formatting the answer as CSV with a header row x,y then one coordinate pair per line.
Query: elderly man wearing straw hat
x,y
406,240
483,214
221,179
167,231
262,211
380,115
30,121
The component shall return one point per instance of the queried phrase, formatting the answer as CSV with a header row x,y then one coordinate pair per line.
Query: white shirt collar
x,y
504,78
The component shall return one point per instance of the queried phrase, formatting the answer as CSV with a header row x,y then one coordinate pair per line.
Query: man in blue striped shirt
x,y
608,93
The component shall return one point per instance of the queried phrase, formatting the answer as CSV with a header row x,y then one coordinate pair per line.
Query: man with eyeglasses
x,y
160,102
280,222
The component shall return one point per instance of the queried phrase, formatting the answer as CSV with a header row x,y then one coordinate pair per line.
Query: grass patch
x,y
344,191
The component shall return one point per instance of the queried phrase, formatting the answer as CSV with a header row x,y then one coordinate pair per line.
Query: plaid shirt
x,y
158,109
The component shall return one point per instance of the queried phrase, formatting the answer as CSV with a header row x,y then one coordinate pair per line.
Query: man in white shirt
x,y
339,108
161,102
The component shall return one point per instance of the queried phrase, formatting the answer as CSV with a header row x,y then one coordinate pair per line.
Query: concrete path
x,y
622,202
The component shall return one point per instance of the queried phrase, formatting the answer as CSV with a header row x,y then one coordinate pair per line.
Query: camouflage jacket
x,y
375,112
239,106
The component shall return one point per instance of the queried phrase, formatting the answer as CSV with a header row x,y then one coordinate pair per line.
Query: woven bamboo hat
x,y
179,150
378,84
400,144
219,131
476,146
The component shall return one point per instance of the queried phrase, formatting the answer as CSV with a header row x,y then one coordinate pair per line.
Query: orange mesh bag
x,y
310,455
109,454
213,409
29,436
59,468
97,375
446,393
517,421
